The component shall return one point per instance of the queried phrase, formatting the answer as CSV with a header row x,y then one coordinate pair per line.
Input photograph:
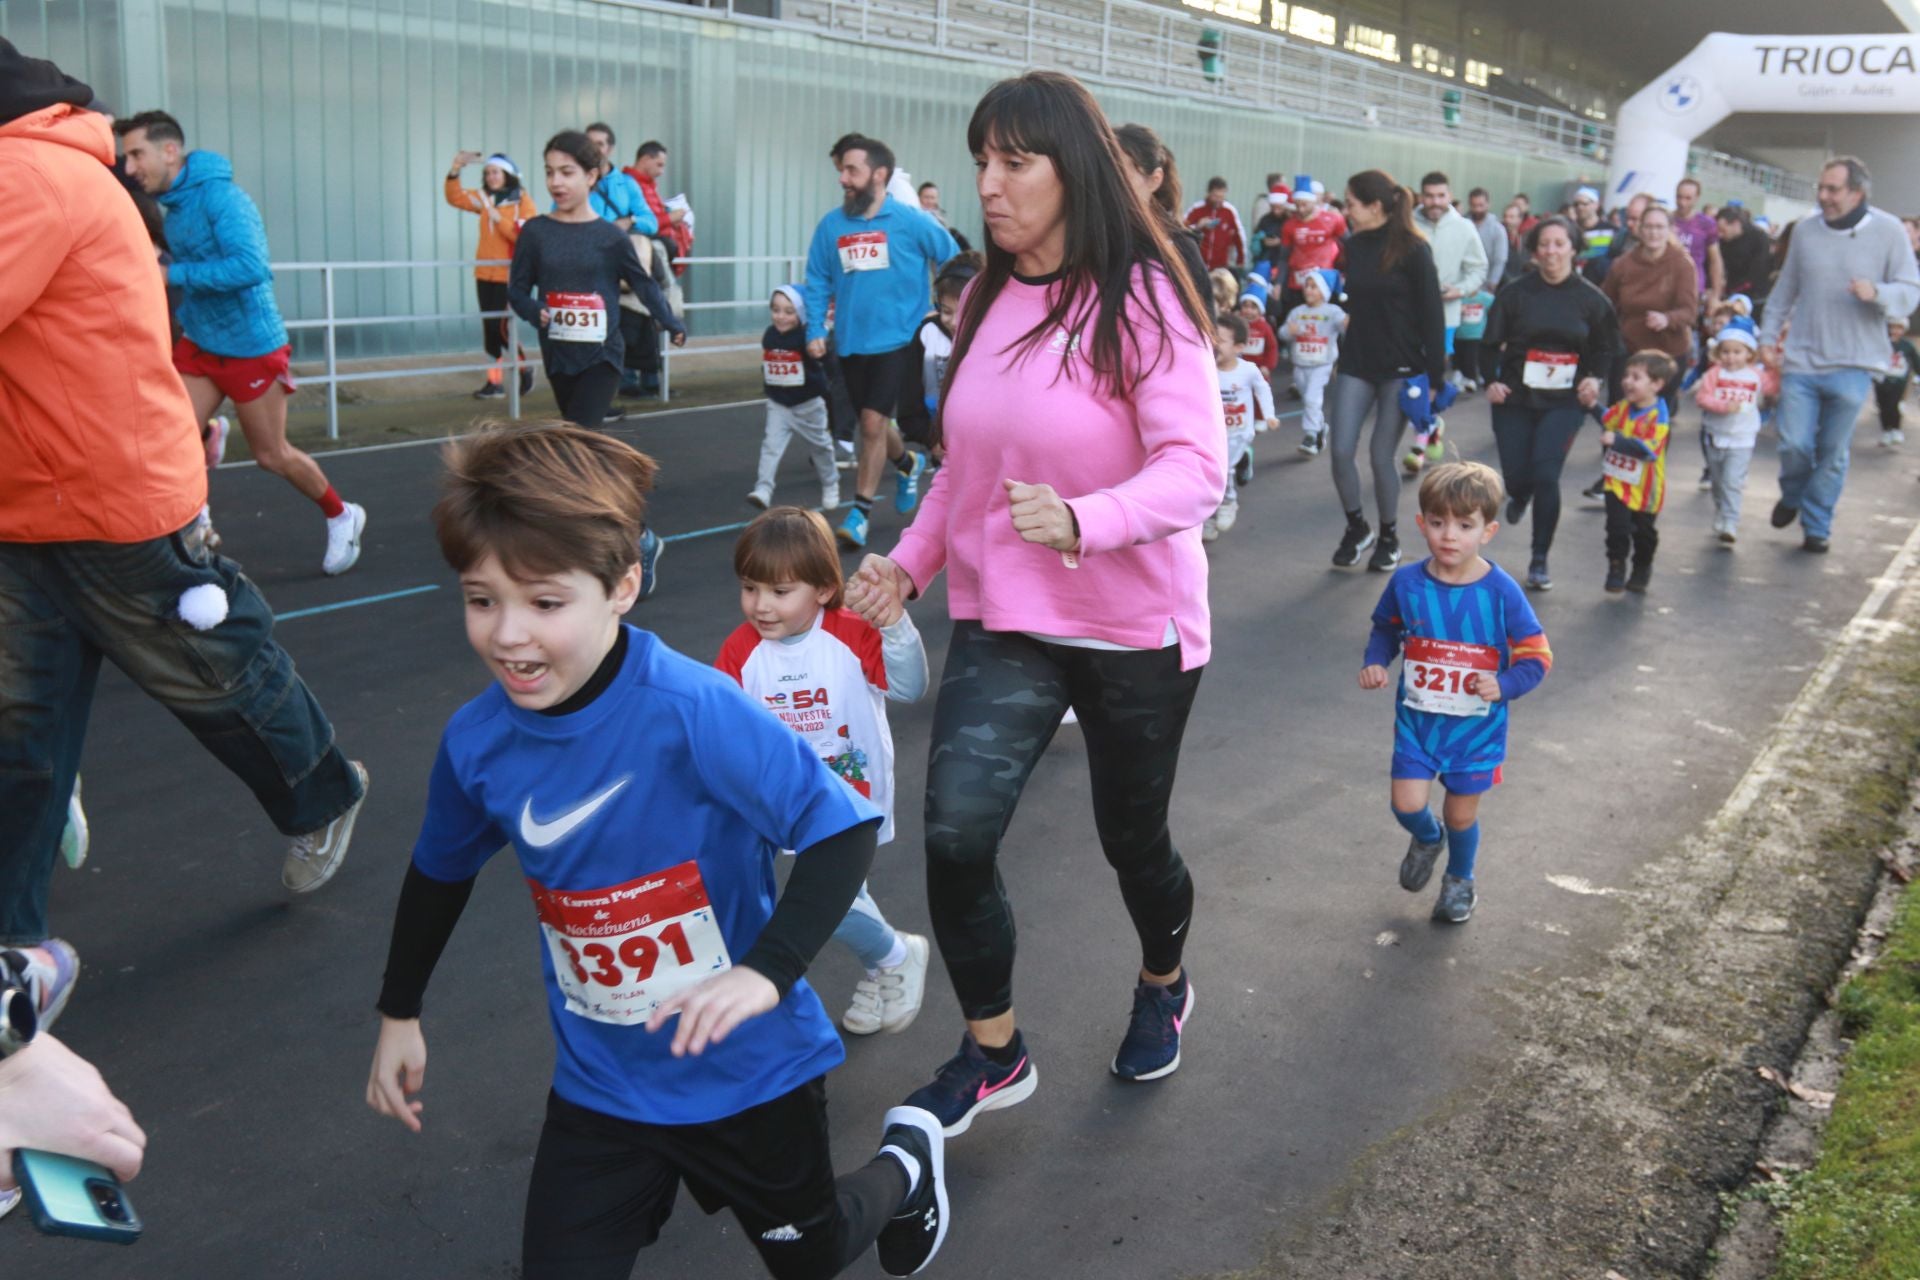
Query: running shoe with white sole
x,y
218,429
76,839
906,484
652,547
343,539
1226,516
49,983
969,1084
1456,902
1357,538
1386,553
317,855
853,530
1151,1047
1417,867
889,999
910,1239
761,497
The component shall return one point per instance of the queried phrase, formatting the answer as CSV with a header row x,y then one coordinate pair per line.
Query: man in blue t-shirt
x,y
646,798
873,259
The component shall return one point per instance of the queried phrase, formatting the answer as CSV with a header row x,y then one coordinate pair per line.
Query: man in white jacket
x,y
1458,256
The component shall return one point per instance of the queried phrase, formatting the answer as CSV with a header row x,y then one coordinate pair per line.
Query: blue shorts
x,y
1415,766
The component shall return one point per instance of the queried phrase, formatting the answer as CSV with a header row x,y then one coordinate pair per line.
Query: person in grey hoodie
x,y
1846,272
1458,256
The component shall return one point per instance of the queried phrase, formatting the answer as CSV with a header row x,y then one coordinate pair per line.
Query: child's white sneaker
x,y
1224,518
889,999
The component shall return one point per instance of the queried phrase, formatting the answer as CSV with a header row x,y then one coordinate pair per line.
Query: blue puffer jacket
x,y
220,261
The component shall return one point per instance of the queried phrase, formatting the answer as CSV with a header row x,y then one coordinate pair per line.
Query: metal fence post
x,y
1106,34
513,351
333,359
666,367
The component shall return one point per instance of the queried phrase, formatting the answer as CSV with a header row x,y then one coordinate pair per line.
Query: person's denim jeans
x,y
66,605
1817,413
865,931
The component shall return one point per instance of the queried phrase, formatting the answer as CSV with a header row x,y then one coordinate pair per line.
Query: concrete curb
x,y
1626,1098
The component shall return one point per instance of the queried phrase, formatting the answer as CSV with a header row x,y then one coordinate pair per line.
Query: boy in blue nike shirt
x,y
646,798
1471,645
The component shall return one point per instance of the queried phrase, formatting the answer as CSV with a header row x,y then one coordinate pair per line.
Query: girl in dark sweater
x,y
1396,329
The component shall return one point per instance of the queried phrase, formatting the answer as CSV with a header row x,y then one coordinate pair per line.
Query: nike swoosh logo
x,y
988,1090
542,834
1177,928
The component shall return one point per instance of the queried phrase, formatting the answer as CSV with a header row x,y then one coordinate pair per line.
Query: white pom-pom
x,y
203,607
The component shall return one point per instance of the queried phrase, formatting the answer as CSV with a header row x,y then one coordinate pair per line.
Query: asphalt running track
x,y
238,1024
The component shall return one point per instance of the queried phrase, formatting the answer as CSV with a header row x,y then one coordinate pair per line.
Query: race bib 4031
x,y
1437,676
620,952
576,317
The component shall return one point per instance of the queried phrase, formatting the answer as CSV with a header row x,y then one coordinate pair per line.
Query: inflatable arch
x,y
1726,74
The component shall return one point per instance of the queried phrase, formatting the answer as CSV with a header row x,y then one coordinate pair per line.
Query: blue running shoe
x,y
906,491
969,1083
651,549
853,530
1152,1045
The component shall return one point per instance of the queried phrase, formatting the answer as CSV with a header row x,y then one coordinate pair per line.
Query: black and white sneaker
x,y
1386,553
908,1242
1357,538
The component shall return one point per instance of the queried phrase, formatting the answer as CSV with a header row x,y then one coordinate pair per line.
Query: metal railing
x,y
1130,42
330,322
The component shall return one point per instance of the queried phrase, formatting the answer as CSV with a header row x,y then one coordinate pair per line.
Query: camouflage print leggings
x,y
1001,698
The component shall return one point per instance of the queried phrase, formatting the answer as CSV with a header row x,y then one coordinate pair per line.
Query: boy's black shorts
x,y
602,1187
875,382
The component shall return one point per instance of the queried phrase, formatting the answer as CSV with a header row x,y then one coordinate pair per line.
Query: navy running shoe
x,y
970,1084
1152,1045
913,1235
651,548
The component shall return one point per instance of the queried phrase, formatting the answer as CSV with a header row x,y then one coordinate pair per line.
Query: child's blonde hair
x,y
790,544
1461,488
1226,290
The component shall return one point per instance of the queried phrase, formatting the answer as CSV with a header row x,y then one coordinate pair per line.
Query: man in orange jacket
x,y
102,476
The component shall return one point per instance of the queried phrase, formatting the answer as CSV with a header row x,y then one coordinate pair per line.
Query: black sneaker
x,y
1616,576
1243,469
1457,900
1596,491
1638,579
1356,539
1538,579
1417,867
910,1239
1151,1048
1783,515
491,391
970,1084
1516,507
1816,544
526,381
1386,553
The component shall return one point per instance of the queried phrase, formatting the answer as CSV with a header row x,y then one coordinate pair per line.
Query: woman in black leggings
x,y
1551,337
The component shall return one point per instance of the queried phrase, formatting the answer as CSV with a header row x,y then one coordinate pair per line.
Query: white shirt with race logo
x,y
830,686
1315,333
1740,427
1244,396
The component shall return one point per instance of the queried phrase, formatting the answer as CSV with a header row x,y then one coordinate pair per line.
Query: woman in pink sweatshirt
x,y
1085,447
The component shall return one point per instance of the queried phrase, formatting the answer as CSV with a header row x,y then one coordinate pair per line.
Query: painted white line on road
x,y
1863,628
416,444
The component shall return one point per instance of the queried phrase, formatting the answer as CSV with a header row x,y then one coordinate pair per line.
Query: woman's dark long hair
x,y
1148,153
1376,186
1109,233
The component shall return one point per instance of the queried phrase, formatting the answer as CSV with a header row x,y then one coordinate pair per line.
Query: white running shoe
x,y
1224,518
761,497
1210,531
218,429
830,499
316,855
75,839
889,999
343,539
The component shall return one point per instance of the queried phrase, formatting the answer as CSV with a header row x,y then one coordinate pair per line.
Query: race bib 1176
x,y
863,251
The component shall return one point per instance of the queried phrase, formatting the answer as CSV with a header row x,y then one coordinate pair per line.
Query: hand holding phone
x,y
71,1197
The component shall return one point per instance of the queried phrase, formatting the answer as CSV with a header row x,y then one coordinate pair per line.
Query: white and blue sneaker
x,y
1151,1048
651,549
906,490
853,530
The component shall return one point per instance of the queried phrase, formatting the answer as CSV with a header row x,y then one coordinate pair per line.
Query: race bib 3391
x,y
620,952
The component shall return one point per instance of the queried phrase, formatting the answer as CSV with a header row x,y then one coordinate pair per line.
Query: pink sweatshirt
x,y
1141,474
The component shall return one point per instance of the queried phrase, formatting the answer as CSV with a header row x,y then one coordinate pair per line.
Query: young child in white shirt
x,y
1314,328
1247,405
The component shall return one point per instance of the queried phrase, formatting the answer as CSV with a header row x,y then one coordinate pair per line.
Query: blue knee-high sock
x,y
1462,847
1420,824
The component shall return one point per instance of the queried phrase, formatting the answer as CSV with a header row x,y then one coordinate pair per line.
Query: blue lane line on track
x,y
354,604
414,591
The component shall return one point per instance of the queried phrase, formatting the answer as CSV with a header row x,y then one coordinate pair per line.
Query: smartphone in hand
x,y
69,1197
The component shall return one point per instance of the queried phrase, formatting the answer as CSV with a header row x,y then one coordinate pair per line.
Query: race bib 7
x,y
620,952
784,368
1436,675
1550,370
576,317
863,251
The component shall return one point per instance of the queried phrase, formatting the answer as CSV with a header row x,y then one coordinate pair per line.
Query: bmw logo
x,y
1680,94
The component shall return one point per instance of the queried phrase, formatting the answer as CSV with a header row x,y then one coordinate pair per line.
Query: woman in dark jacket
x,y
1745,253
1396,329
1154,175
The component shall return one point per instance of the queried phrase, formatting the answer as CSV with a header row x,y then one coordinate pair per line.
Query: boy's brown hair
x,y
545,498
1460,489
790,544
1657,365
1234,324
